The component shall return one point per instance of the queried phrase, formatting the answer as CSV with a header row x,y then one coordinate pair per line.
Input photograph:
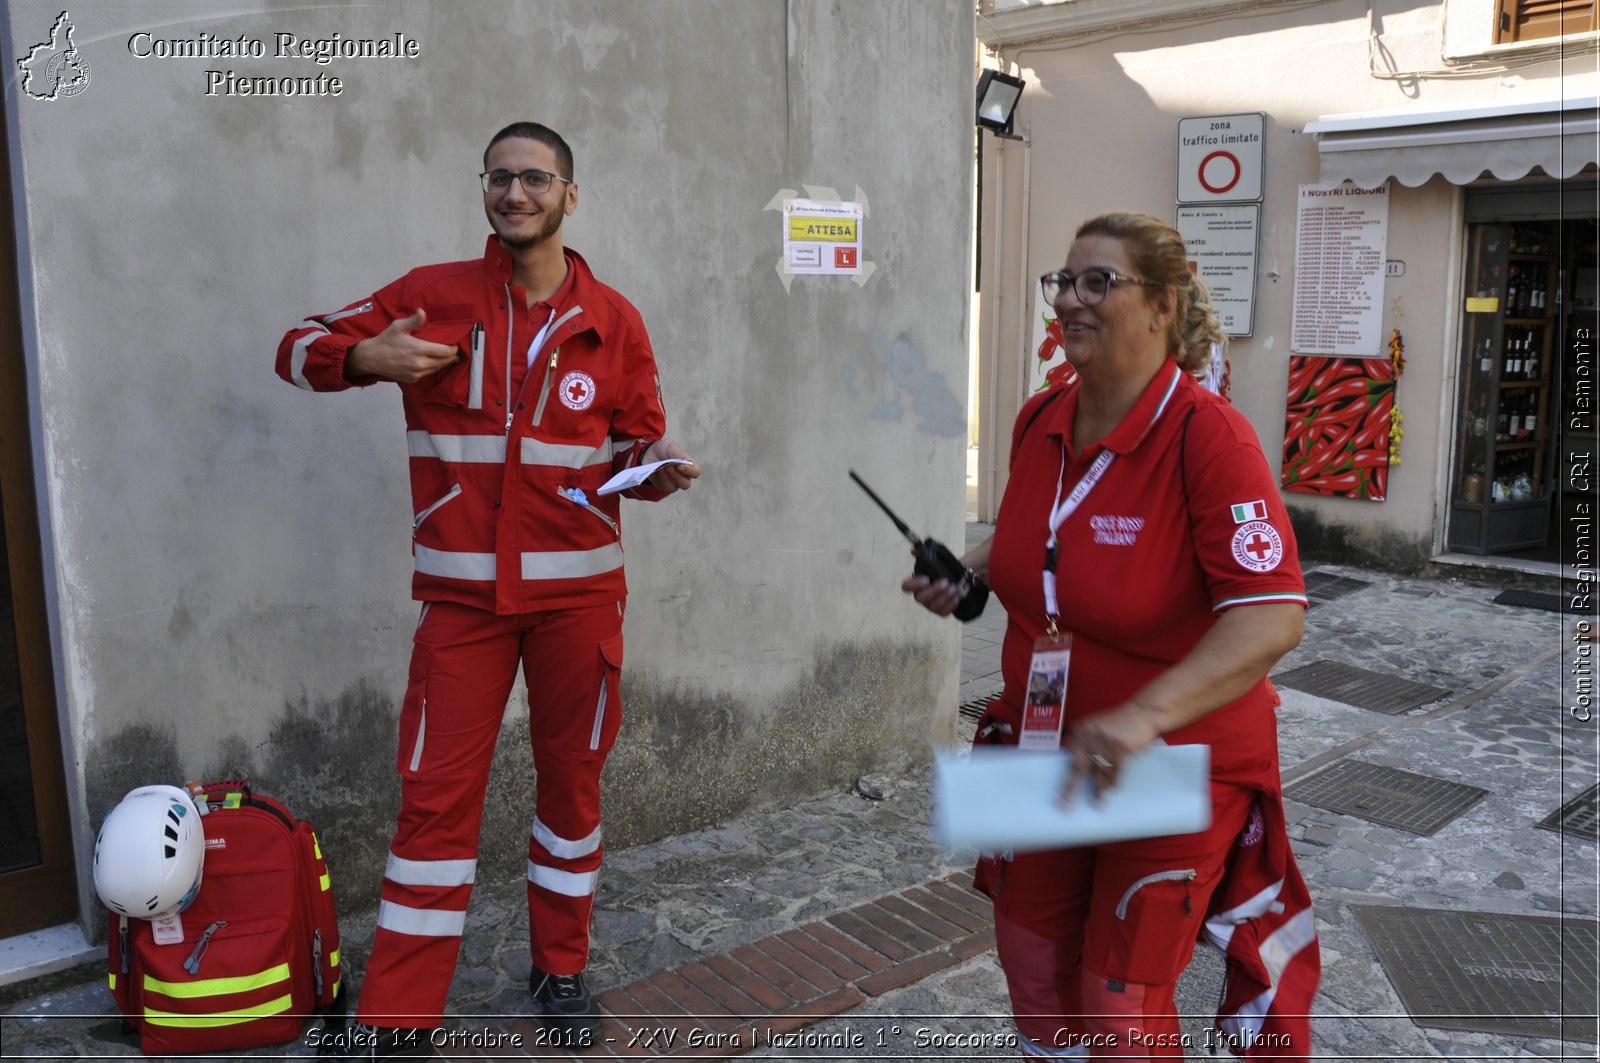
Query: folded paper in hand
x,y
637,475
1001,797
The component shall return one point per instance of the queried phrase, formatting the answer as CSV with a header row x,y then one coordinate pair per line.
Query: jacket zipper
x,y
416,523
511,324
576,496
341,315
1185,875
544,389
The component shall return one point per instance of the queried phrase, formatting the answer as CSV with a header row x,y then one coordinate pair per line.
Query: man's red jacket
x,y
508,445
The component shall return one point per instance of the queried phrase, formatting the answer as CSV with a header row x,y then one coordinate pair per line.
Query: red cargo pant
x,y
463,665
1092,940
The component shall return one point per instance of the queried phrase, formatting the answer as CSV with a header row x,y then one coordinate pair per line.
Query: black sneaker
x,y
360,1041
565,1006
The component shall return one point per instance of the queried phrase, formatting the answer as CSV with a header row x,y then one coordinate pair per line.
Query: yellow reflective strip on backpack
x,y
333,958
232,800
316,846
216,987
233,1018
326,882
113,980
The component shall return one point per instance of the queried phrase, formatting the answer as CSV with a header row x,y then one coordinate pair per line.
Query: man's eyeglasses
x,y
1092,285
534,182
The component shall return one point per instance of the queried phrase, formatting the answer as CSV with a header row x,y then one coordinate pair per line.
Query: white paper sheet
x,y
1005,798
637,475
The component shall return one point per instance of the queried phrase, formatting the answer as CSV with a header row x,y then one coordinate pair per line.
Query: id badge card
x,y
168,929
1045,711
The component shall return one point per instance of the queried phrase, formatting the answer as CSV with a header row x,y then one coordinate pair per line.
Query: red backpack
x,y
260,948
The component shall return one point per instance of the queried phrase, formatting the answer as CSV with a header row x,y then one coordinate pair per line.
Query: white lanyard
x,y
538,340
1059,512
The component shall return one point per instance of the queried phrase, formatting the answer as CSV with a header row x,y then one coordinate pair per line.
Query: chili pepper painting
x,y
1049,349
1337,431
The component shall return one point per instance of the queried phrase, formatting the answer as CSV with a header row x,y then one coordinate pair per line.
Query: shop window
x,y
1531,20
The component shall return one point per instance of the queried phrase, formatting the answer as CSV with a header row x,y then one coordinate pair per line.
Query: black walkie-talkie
x,y
934,560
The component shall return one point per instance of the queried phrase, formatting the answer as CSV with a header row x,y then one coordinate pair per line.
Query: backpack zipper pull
x,y
316,959
122,940
192,964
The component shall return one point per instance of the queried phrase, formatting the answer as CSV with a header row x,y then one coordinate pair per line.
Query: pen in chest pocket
x,y
475,378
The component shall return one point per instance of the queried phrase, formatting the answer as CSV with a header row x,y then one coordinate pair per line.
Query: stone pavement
x,y
835,929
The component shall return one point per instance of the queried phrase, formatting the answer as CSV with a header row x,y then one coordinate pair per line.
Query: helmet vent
x,y
171,852
170,833
150,905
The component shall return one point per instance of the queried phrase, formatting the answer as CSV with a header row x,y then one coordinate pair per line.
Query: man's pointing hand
x,y
397,354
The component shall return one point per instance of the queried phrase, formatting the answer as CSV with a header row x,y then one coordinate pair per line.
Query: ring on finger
x,y
1099,761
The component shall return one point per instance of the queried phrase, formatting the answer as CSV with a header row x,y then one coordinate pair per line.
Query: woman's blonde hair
x,y
1156,253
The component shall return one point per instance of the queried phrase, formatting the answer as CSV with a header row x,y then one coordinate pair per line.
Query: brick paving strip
x,y
727,1004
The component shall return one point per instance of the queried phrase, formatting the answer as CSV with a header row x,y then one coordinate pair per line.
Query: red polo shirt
x,y
1183,524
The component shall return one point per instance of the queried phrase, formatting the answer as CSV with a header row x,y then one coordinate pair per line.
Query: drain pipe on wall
x,y
990,494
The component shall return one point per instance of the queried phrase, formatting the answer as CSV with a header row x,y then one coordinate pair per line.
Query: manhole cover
x,y
973,708
1395,798
1325,586
1356,686
1531,600
1579,816
1525,975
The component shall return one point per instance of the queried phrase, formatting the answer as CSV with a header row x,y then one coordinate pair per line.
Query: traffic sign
x,y
1220,158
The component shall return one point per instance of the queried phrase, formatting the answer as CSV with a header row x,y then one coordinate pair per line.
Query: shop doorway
x,y
1527,371
38,883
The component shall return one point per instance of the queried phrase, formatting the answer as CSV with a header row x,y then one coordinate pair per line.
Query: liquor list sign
x,y
1340,237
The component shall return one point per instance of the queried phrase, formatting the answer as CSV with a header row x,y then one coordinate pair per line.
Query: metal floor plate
x,y
1395,798
1531,600
1325,586
1580,816
1524,975
1387,694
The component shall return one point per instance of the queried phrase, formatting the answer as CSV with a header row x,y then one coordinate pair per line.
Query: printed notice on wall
x,y
1222,251
1340,237
821,237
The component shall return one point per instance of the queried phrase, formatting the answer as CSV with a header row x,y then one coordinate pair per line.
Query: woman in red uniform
x,y
1148,503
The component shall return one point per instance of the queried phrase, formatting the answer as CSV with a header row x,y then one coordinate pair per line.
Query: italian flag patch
x,y
1243,511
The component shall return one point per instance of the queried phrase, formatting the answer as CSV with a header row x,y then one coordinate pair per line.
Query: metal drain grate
x,y
973,708
1395,798
1551,603
1580,816
1356,686
1529,976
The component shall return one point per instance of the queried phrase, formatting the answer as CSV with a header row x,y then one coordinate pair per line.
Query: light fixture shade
x,y
997,99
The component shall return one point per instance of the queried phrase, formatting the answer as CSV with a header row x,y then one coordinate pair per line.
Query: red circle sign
x,y
1217,190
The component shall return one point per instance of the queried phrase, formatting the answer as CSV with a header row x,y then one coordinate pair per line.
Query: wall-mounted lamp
x,y
997,101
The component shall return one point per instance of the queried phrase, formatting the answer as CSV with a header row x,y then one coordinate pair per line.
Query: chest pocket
x,y
453,385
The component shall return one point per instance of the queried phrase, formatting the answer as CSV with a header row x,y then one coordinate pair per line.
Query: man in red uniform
x,y
526,384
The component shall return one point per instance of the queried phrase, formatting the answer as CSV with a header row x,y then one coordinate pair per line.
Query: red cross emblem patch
x,y
576,390
1257,546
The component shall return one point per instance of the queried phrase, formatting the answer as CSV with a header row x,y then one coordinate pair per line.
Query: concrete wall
x,y
1101,113
231,556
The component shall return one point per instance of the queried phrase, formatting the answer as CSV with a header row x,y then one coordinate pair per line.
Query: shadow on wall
x,y
685,759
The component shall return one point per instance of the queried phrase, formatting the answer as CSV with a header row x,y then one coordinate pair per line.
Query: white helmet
x,y
148,857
